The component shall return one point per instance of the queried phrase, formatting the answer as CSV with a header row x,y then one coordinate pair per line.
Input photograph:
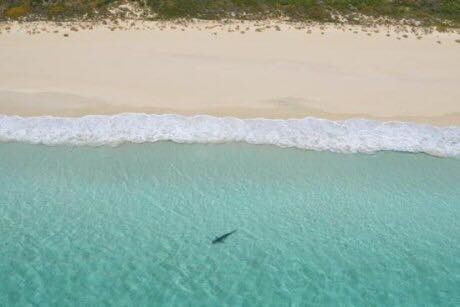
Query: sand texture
x,y
238,69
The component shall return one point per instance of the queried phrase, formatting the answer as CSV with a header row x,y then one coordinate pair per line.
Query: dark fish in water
x,y
222,238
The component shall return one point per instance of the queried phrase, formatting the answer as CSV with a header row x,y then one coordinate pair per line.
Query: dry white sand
x,y
220,71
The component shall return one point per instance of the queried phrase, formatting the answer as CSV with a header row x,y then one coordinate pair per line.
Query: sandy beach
x,y
237,69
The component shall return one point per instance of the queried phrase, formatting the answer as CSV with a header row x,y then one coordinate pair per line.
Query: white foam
x,y
349,136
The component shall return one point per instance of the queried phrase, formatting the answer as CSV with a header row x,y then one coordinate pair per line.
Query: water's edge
x,y
348,136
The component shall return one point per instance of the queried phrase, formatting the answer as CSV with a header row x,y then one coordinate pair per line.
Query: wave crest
x,y
348,136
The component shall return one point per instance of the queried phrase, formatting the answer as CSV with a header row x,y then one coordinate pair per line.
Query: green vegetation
x,y
444,13
17,11
54,9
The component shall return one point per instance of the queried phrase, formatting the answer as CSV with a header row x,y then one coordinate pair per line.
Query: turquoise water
x,y
132,225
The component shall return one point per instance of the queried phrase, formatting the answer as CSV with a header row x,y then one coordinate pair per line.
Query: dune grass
x,y
427,12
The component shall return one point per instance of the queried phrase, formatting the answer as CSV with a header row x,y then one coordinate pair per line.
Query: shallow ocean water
x,y
132,226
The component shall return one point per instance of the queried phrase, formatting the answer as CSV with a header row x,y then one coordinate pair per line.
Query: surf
x,y
347,136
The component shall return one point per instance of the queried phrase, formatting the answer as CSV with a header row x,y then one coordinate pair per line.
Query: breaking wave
x,y
348,136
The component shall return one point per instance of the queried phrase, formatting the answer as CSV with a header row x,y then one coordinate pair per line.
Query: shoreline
x,y
272,70
447,120
349,136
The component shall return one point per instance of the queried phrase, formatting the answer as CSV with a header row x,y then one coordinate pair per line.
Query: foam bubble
x,y
349,136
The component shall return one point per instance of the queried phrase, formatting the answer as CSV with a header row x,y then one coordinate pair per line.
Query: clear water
x,y
132,226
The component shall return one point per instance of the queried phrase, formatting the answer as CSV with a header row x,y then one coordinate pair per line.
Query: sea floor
x,y
133,225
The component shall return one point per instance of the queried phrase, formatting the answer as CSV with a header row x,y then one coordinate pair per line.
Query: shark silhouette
x,y
222,238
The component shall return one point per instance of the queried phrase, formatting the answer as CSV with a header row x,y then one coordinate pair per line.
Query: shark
x,y
221,239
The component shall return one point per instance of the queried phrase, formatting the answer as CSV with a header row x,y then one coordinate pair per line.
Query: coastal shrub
x,y
56,9
74,8
428,12
306,9
18,11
